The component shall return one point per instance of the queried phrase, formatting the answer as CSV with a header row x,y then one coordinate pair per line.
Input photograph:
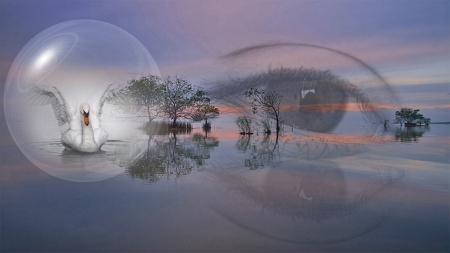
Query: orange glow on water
x,y
326,107
309,137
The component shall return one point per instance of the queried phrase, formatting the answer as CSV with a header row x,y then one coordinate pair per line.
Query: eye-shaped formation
x,y
311,100
290,187
318,85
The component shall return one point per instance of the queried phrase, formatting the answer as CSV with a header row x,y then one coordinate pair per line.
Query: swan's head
x,y
84,110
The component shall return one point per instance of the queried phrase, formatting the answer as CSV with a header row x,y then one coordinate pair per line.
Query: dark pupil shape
x,y
313,105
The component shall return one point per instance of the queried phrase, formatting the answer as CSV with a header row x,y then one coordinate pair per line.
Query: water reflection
x,y
410,134
269,150
308,202
166,156
79,166
262,150
164,128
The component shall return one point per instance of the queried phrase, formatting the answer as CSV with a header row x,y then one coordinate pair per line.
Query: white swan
x,y
85,133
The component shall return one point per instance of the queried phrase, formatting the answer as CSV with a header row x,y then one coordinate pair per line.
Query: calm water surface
x,y
225,192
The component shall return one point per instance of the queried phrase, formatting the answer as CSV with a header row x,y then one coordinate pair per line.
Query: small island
x,y
411,117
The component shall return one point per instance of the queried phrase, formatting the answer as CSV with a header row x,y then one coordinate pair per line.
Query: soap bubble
x,y
80,58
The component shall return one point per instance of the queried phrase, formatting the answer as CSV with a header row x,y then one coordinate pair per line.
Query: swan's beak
x,y
86,118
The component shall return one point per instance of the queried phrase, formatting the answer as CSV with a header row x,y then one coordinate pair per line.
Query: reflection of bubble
x,y
80,58
306,202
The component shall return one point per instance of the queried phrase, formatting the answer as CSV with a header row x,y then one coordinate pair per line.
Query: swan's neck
x,y
87,133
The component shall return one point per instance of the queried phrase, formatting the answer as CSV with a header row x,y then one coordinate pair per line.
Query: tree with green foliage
x,y
268,102
181,99
406,115
142,98
399,117
420,119
205,112
410,116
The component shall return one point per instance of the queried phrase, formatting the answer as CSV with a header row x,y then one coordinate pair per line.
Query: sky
x,y
406,42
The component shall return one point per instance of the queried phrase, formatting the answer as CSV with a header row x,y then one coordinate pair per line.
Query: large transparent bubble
x,y
80,58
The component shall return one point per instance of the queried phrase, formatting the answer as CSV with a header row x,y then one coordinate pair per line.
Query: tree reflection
x,y
170,156
262,151
303,195
410,134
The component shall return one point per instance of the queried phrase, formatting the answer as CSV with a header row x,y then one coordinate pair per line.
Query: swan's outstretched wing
x,y
104,99
50,95
97,105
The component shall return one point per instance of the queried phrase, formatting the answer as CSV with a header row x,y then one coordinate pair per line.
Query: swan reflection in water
x,y
318,182
168,155
92,167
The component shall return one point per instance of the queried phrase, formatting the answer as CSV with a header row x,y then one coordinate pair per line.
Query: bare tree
x,y
244,124
181,99
268,102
